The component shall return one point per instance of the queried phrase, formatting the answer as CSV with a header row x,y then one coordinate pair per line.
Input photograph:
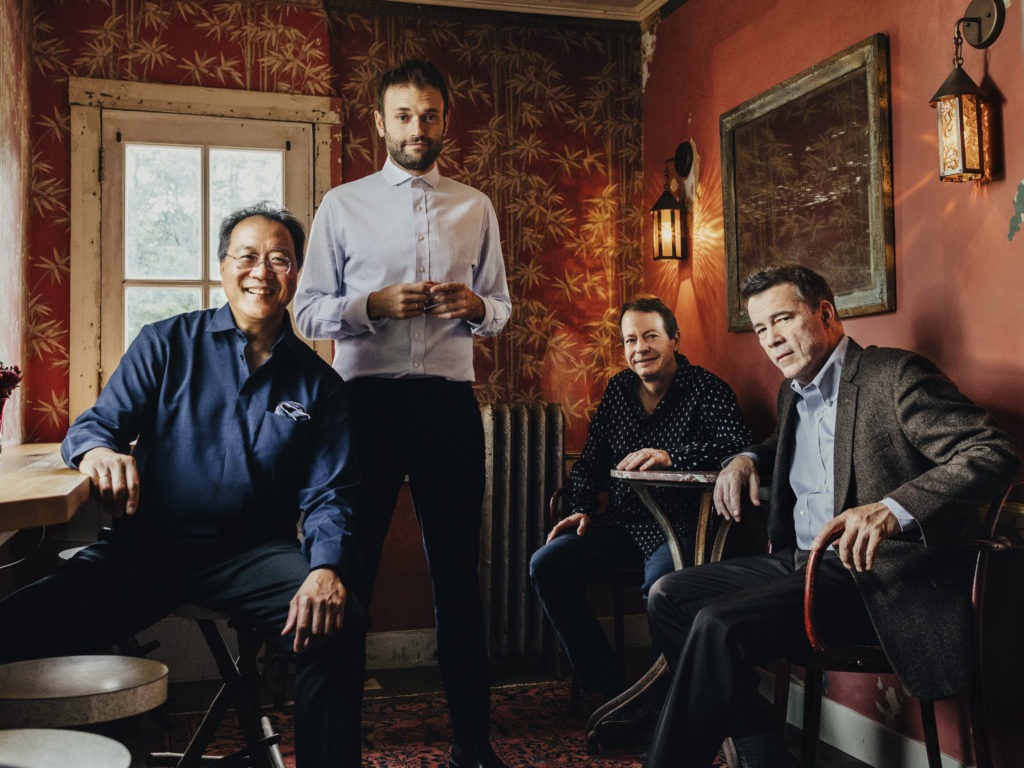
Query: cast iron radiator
x,y
523,446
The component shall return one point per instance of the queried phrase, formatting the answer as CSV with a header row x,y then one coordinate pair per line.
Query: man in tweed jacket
x,y
875,444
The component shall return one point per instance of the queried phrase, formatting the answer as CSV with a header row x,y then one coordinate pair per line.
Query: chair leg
x,y
812,716
979,730
931,734
619,609
249,644
574,696
780,701
240,689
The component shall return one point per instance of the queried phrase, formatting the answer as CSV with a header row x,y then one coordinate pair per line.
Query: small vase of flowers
x,y
10,378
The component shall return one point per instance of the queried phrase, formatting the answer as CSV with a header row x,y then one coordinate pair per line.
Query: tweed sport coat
x,y
904,430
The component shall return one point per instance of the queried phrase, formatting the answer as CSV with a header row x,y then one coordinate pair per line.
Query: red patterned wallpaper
x,y
224,44
546,121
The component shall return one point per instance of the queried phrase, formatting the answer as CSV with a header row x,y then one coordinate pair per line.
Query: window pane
x,y
147,304
241,177
217,297
163,226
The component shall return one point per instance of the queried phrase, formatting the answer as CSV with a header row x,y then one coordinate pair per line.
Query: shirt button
x,y
415,335
415,365
419,237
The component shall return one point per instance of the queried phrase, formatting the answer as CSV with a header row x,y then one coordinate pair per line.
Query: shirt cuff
x,y
359,315
327,567
488,316
74,459
904,518
727,459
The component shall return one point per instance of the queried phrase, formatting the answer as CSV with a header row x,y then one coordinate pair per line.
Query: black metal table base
x,y
612,715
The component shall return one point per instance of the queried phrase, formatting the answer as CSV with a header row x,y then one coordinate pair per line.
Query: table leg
x,y
608,711
652,506
613,711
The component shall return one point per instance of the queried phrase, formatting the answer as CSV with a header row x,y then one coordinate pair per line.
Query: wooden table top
x,y
36,488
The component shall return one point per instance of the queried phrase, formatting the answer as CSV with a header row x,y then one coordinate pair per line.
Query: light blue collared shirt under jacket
x,y
390,228
812,474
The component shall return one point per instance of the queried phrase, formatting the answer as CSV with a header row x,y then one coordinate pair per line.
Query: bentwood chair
x,y
991,548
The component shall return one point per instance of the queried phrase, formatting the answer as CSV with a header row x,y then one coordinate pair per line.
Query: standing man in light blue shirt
x,y
404,267
874,444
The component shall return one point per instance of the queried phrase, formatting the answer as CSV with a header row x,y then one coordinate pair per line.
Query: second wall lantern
x,y
668,215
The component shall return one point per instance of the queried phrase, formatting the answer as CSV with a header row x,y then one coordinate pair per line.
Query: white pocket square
x,y
291,409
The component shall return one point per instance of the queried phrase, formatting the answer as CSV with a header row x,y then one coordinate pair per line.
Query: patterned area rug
x,y
532,729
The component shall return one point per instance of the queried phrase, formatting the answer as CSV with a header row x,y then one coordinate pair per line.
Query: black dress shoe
x,y
759,751
475,759
631,716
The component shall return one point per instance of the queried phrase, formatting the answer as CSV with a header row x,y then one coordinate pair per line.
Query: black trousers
x,y
113,590
430,430
560,572
716,624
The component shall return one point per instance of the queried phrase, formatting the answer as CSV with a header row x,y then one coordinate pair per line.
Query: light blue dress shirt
x,y
812,473
388,228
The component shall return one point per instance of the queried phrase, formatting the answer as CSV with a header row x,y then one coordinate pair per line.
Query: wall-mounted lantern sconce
x,y
668,215
959,101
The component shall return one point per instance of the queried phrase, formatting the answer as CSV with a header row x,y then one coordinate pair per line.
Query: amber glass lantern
x,y
961,134
671,235
959,102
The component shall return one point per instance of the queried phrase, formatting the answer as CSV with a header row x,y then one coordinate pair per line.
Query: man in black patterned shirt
x,y
662,413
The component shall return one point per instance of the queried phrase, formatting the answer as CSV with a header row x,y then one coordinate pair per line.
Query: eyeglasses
x,y
275,262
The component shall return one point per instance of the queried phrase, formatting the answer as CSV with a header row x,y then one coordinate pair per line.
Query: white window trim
x,y
88,97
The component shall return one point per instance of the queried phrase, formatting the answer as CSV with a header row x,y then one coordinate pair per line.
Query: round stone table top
x,y
49,747
75,690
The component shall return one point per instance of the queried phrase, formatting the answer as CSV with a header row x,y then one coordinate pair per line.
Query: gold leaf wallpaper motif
x,y
545,121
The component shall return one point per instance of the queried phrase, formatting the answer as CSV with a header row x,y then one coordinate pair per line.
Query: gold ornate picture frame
x,y
807,179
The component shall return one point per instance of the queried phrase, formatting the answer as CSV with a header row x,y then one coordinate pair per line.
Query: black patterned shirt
x,y
698,422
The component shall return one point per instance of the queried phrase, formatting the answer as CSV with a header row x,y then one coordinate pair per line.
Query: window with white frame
x,y
154,170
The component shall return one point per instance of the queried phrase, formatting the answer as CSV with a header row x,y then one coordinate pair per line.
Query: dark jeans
x,y
715,624
560,571
111,591
430,430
